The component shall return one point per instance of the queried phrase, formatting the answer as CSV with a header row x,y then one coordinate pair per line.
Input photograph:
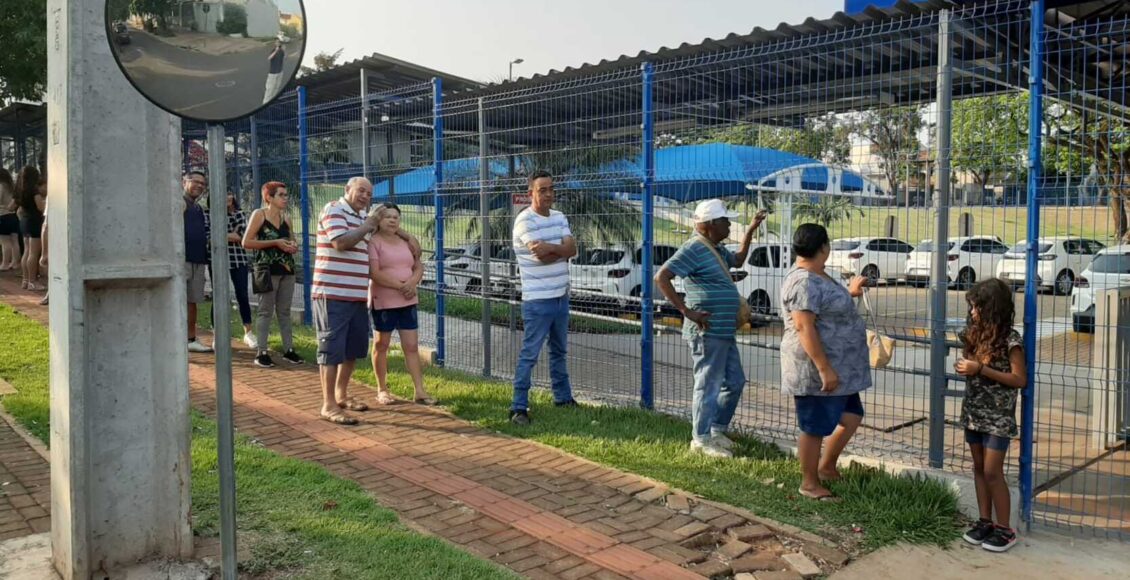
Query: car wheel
x,y
473,287
1081,326
1064,283
872,274
636,292
966,278
759,303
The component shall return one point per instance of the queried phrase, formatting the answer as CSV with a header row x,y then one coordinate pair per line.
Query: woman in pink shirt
x,y
394,274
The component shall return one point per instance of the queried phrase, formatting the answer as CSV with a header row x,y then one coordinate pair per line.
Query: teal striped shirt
x,y
709,288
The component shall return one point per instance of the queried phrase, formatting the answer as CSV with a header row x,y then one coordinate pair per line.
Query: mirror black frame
x,y
107,21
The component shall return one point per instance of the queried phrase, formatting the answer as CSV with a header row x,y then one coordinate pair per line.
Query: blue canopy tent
x,y
417,187
691,173
683,174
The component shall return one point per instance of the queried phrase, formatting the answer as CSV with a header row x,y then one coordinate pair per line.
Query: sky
x,y
477,39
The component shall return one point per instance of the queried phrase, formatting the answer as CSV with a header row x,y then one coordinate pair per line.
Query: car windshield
x,y
844,245
1111,264
928,246
599,257
1022,247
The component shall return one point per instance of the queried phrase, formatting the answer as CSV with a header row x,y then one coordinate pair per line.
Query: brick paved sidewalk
x,y
25,492
534,509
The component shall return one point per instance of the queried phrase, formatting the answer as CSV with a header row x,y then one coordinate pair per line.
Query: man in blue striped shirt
x,y
710,316
543,245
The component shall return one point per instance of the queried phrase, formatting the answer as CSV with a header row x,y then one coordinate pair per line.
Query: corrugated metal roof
x,y
759,35
385,73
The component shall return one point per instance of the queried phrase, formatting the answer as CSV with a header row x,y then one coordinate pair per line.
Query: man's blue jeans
x,y
718,384
543,319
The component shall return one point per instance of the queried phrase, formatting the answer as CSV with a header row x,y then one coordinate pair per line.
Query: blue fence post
x,y
647,313
1035,146
304,188
437,146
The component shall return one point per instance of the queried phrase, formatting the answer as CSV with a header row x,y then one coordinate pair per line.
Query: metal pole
x,y
221,319
484,236
365,123
437,154
254,152
304,189
647,291
940,278
1035,146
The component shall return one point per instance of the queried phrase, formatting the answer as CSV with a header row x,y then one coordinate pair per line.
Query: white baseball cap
x,y
711,210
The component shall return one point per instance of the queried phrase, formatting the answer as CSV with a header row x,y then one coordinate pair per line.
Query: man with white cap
x,y
710,313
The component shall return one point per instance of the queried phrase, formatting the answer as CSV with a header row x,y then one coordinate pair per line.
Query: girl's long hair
x,y
986,337
27,186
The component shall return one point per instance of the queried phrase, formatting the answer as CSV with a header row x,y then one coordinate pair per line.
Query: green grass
x,y
24,363
296,519
764,480
500,313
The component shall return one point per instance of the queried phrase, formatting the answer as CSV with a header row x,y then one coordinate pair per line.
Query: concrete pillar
x,y
120,481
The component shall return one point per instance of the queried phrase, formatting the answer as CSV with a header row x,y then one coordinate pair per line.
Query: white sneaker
x,y
721,440
197,346
249,340
710,449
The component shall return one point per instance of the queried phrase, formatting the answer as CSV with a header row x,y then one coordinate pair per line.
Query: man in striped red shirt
x,y
340,295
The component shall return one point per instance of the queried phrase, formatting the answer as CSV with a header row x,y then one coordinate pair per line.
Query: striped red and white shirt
x,y
340,275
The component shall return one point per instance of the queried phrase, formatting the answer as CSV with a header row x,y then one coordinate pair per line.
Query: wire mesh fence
x,y
910,138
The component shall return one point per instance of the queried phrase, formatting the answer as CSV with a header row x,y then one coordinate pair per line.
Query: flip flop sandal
x,y
339,419
427,401
384,398
830,498
352,404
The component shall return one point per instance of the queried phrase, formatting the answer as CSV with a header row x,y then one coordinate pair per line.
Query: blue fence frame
x,y
649,114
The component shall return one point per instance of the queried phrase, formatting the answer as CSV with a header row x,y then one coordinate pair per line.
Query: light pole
x,y
512,63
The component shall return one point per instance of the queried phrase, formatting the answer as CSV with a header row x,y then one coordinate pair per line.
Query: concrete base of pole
x,y
120,430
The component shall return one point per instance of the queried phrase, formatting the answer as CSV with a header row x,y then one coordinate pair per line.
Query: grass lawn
x,y
472,309
764,480
297,519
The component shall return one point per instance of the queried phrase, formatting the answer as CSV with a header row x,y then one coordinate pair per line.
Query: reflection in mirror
x,y
209,60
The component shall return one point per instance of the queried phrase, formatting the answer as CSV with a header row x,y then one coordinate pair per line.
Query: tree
x,y
23,49
828,210
234,22
893,135
322,61
826,138
990,136
157,12
1094,138
595,218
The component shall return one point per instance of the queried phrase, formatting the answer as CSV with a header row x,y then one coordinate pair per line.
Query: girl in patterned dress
x,y
992,360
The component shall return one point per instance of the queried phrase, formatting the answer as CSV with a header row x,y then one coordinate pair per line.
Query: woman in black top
x,y
269,234
239,264
30,202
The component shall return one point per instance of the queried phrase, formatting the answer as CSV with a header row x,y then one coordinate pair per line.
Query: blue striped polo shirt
x,y
709,288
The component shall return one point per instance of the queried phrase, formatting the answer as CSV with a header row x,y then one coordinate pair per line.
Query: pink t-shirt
x,y
393,258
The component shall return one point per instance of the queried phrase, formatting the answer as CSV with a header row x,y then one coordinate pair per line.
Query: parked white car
x,y
874,258
1109,270
1061,260
462,271
969,259
613,276
765,268
759,279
